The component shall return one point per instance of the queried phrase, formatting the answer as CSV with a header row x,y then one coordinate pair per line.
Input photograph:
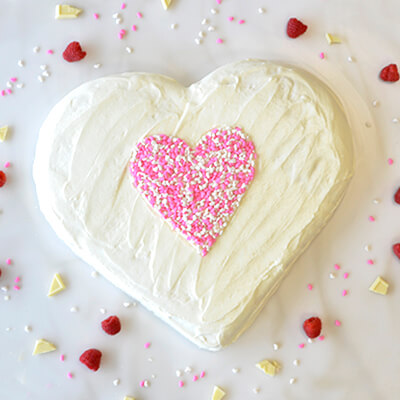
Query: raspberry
x,y
3,178
397,196
91,358
390,73
312,327
396,249
74,52
111,325
295,28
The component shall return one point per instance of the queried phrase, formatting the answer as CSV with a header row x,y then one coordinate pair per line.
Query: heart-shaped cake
x,y
195,201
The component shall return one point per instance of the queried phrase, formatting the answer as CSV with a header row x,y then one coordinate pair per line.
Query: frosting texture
x,y
304,163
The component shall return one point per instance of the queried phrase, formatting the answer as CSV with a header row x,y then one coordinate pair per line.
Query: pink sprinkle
x,y
120,35
16,287
219,41
13,79
139,15
309,286
9,91
218,1
95,16
322,55
180,383
123,6
69,375
50,51
321,338
17,279
8,261
7,164
203,374
344,293
62,357
338,323
134,28
141,383
122,31
147,345
370,262
371,218
390,161
3,93
195,378
345,275
241,21
336,266
301,346
231,19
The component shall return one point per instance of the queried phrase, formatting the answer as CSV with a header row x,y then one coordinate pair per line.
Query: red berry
x,y
111,325
74,52
397,196
91,358
295,28
312,327
390,73
396,249
0,272
3,178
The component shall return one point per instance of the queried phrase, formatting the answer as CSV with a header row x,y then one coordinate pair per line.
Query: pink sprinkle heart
x,y
195,190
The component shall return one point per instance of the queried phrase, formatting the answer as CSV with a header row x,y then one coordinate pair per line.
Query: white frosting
x,y
304,164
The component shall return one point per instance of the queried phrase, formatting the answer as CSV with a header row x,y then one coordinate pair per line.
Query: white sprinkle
x,y
376,201
43,67
21,63
256,390
154,376
150,359
118,21
46,74
116,15
332,275
94,274
27,328
198,41
74,309
309,340
188,369
36,49
350,59
129,49
9,84
367,247
19,85
235,370
174,26
214,11
96,66
261,10
178,373
395,120
8,329
375,103
40,78
296,363
211,28
127,304
103,310
202,34
116,382
292,380
204,21
146,383
4,288
6,298
275,346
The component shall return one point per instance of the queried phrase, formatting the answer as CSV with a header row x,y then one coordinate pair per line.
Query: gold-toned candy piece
x,y
65,11
3,133
57,285
43,346
379,286
332,39
166,4
269,367
218,393
129,398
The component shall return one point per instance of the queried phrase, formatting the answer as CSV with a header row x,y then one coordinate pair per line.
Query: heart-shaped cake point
x,y
195,190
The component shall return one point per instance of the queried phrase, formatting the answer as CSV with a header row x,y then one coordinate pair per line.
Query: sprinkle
x,y
371,218
102,310
96,66
370,262
350,59
337,322
188,369
204,21
219,41
94,274
180,383
301,345
116,382
309,286
261,10
235,370
46,73
146,383
296,363
202,34
127,304
367,247
123,6
309,340
275,346
178,373
118,21
214,11
70,375
147,345
241,21
20,85
9,85
198,41
129,49
174,26
27,328
36,49
13,79
345,275
322,55
332,275
202,374
195,378
16,287
4,288
150,359
9,91
141,383
139,15
73,309
256,390
3,93
116,15
95,16
62,357
292,381
211,28
321,338
395,120
375,103
50,51
336,266
134,27
390,161
8,261
231,18
218,1
17,279
344,292
21,63
40,78
6,298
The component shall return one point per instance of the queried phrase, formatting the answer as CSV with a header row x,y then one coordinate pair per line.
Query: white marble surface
x,y
358,360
